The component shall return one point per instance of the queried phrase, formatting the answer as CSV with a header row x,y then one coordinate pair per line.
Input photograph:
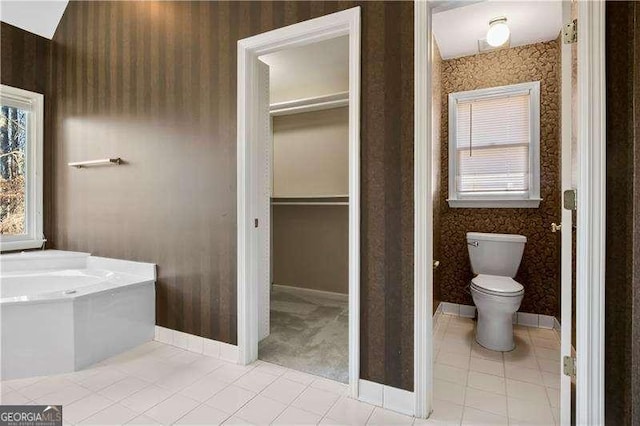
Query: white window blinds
x,y
493,142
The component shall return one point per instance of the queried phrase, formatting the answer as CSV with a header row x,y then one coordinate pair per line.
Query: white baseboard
x,y
371,392
312,292
436,316
520,318
389,397
197,344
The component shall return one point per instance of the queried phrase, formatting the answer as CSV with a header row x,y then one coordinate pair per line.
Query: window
x,y
21,123
494,147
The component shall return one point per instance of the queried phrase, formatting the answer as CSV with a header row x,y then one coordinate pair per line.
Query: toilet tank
x,y
495,254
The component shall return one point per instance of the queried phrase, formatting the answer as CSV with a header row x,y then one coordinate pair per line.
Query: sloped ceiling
x,y
38,17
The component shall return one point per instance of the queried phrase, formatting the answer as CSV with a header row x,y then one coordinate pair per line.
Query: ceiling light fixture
x,y
498,32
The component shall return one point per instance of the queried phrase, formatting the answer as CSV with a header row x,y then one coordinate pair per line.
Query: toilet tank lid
x,y
481,236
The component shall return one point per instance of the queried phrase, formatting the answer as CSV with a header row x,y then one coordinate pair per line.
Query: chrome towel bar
x,y
102,162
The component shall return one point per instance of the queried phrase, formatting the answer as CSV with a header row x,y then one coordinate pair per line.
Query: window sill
x,y
21,244
532,203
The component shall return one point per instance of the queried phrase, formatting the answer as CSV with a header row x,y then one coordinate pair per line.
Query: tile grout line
x,y
290,404
466,381
307,386
180,390
204,403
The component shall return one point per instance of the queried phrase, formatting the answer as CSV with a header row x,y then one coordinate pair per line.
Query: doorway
x,y
590,216
255,168
304,306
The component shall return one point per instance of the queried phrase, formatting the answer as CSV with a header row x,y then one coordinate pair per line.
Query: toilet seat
x,y
497,285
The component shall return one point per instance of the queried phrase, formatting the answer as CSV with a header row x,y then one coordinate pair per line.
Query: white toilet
x,y
495,259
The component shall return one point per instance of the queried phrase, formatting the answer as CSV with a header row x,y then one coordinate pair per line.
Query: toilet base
x,y
495,319
495,332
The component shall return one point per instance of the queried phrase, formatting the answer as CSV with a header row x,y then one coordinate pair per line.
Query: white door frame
x,y
591,213
423,213
566,270
338,24
591,210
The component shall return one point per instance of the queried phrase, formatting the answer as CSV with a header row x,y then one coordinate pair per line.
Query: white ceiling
x,y
317,69
458,30
38,17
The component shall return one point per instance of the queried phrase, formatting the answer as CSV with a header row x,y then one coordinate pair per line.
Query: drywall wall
x,y
311,159
311,154
316,69
311,247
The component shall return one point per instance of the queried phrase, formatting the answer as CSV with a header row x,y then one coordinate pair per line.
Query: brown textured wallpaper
x,y
540,268
24,59
622,276
635,226
155,84
25,63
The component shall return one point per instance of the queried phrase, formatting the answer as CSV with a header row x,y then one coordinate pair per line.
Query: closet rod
x,y
317,103
301,197
309,203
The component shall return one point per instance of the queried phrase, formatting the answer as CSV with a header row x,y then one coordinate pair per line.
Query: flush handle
x,y
473,243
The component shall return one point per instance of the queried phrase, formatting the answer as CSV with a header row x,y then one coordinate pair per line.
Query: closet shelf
x,y
309,203
317,103
337,200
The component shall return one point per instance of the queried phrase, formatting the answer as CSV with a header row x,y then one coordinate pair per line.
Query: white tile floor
x,y
477,386
161,384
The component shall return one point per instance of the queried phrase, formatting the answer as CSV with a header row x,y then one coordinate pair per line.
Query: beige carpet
x,y
309,333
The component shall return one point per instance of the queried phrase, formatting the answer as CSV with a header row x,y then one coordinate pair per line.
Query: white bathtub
x,y
62,311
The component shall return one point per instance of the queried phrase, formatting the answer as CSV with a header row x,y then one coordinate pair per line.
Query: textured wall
x,y
622,271
155,84
25,59
539,270
25,63
436,113
635,224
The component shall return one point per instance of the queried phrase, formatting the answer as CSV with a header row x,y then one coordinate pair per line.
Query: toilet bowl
x,y
495,258
497,299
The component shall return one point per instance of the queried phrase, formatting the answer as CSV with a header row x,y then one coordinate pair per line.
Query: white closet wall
x,y
310,154
310,223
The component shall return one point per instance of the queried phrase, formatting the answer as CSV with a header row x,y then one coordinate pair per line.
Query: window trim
x,y
34,236
530,199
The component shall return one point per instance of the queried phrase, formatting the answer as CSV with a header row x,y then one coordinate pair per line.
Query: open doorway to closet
x,y
304,311
259,175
